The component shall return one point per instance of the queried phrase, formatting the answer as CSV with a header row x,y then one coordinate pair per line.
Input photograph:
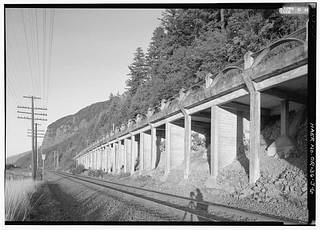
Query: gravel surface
x,y
61,199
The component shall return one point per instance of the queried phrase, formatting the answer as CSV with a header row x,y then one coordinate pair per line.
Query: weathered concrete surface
x,y
136,151
227,137
121,155
146,151
128,154
177,145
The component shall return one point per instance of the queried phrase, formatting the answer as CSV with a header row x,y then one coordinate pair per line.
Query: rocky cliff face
x,y
71,134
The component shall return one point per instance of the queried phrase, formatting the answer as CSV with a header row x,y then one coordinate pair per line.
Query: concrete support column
x,y
87,159
214,148
168,147
101,158
105,158
114,155
141,160
132,154
92,159
187,145
255,118
153,146
125,141
96,159
103,161
108,158
214,164
118,156
284,117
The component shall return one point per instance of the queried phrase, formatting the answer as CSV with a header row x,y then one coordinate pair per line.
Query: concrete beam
x,y
220,100
255,121
285,95
277,79
201,119
172,118
243,108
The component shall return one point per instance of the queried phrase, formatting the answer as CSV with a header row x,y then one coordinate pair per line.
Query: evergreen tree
x,y
155,52
138,72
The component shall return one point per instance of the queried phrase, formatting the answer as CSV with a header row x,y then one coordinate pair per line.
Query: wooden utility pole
x,y
39,133
57,160
33,118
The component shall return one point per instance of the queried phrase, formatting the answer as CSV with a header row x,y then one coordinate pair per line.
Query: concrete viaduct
x,y
226,109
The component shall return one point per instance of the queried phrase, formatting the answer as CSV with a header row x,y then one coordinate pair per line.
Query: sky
x,y
70,58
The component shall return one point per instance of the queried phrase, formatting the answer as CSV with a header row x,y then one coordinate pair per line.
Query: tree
x,y
155,50
138,72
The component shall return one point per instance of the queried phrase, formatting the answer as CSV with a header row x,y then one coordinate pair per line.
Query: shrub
x,y
198,141
78,170
96,173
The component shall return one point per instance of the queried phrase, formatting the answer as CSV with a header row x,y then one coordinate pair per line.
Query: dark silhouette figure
x,y
200,206
192,205
196,204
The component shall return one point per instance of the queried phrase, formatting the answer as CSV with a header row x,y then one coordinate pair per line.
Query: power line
x,y
28,49
37,44
35,108
50,53
33,131
44,51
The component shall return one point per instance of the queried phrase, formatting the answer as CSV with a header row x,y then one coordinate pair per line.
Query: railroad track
x,y
212,213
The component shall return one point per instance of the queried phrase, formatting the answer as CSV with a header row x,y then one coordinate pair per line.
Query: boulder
x,y
282,147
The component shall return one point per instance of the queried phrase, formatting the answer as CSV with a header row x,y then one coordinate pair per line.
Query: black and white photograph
x,y
159,114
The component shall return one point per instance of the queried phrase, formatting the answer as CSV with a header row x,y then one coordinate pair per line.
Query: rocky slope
x,y
71,134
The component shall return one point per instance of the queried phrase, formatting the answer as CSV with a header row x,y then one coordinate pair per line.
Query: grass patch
x,y
17,198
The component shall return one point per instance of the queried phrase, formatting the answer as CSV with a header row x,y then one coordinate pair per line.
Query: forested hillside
x,y
188,44
191,43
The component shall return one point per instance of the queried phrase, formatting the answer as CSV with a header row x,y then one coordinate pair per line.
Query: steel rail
x,y
225,208
198,213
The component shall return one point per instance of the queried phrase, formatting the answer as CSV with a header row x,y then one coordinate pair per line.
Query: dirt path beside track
x,y
52,204
61,199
